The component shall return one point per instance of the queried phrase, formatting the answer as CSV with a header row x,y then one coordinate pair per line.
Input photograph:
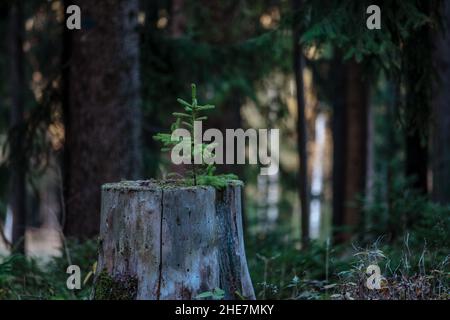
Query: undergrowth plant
x,y
199,174
33,278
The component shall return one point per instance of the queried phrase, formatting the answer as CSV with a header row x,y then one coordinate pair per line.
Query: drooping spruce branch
x,y
199,174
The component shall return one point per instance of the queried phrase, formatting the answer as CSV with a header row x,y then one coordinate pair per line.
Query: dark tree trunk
x,y
339,145
356,141
18,164
301,126
417,160
392,148
441,106
178,21
418,83
103,109
151,13
349,146
228,117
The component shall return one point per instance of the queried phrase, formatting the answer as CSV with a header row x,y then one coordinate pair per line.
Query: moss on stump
x,y
118,288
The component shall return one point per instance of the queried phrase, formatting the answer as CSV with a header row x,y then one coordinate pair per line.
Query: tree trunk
x,y
356,140
349,146
178,21
417,160
418,83
102,115
17,160
234,274
301,127
162,241
392,148
441,106
339,144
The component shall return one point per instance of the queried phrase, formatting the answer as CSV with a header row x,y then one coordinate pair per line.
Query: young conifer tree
x,y
199,174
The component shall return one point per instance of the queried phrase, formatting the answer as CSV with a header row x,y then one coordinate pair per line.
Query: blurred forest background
x,y
364,119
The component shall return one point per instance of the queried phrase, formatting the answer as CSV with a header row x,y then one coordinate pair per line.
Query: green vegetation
x,y
383,154
411,268
27,278
107,288
199,174
215,294
280,271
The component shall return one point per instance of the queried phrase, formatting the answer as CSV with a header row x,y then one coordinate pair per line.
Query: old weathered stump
x,y
234,274
160,240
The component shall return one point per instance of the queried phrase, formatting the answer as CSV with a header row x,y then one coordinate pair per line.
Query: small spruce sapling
x,y
199,174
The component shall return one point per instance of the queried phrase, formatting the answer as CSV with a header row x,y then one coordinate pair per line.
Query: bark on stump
x,y
160,240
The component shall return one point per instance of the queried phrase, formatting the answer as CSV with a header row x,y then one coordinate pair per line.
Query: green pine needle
x,y
199,174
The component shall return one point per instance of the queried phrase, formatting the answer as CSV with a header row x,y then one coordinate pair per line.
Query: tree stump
x,y
234,274
162,240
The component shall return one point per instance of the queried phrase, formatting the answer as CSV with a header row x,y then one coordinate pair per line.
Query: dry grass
x,y
400,283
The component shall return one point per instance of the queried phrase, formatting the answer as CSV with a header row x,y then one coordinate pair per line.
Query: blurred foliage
x,y
227,55
27,278
401,49
231,49
407,210
343,24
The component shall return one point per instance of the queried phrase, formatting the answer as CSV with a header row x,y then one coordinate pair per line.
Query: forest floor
x,y
279,269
